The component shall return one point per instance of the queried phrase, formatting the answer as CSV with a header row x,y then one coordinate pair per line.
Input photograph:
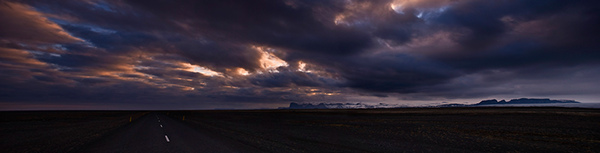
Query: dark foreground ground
x,y
372,130
58,131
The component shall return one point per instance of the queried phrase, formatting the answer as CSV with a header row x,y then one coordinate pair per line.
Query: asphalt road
x,y
150,133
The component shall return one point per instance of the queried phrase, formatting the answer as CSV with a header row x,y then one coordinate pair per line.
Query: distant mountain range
x,y
492,102
339,106
524,101
512,101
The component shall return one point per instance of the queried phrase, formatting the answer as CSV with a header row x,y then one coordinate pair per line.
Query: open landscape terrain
x,y
144,76
58,131
489,129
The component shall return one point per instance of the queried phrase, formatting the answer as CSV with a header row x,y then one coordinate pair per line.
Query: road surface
x,y
156,132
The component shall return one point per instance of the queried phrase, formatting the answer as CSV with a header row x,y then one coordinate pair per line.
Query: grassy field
x,y
57,131
367,130
407,130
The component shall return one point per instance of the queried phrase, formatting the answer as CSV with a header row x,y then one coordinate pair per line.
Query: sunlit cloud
x,y
339,19
425,9
397,7
242,71
302,67
189,88
268,61
322,93
199,69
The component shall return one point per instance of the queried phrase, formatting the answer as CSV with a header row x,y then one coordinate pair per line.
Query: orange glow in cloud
x,y
242,71
268,60
20,57
30,25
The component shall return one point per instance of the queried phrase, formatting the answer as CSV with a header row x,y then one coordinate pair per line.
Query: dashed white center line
x,y
161,126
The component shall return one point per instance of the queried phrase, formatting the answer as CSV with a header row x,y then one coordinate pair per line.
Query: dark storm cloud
x,y
484,29
219,55
268,51
263,22
288,79
393,73
111,15
111,40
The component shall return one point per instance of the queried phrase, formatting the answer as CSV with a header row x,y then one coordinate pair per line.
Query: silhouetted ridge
x,y
339,106
524,101
307,106
382,105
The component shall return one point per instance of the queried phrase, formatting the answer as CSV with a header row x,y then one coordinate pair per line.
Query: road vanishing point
x,y
156,132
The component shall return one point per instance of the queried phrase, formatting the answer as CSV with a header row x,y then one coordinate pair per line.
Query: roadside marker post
x,y
183,119
130,119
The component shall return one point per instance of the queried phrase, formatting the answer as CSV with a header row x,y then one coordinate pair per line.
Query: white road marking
x,y
166,137
161,125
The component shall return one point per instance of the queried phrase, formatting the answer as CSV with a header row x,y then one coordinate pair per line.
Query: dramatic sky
x,y
214,54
